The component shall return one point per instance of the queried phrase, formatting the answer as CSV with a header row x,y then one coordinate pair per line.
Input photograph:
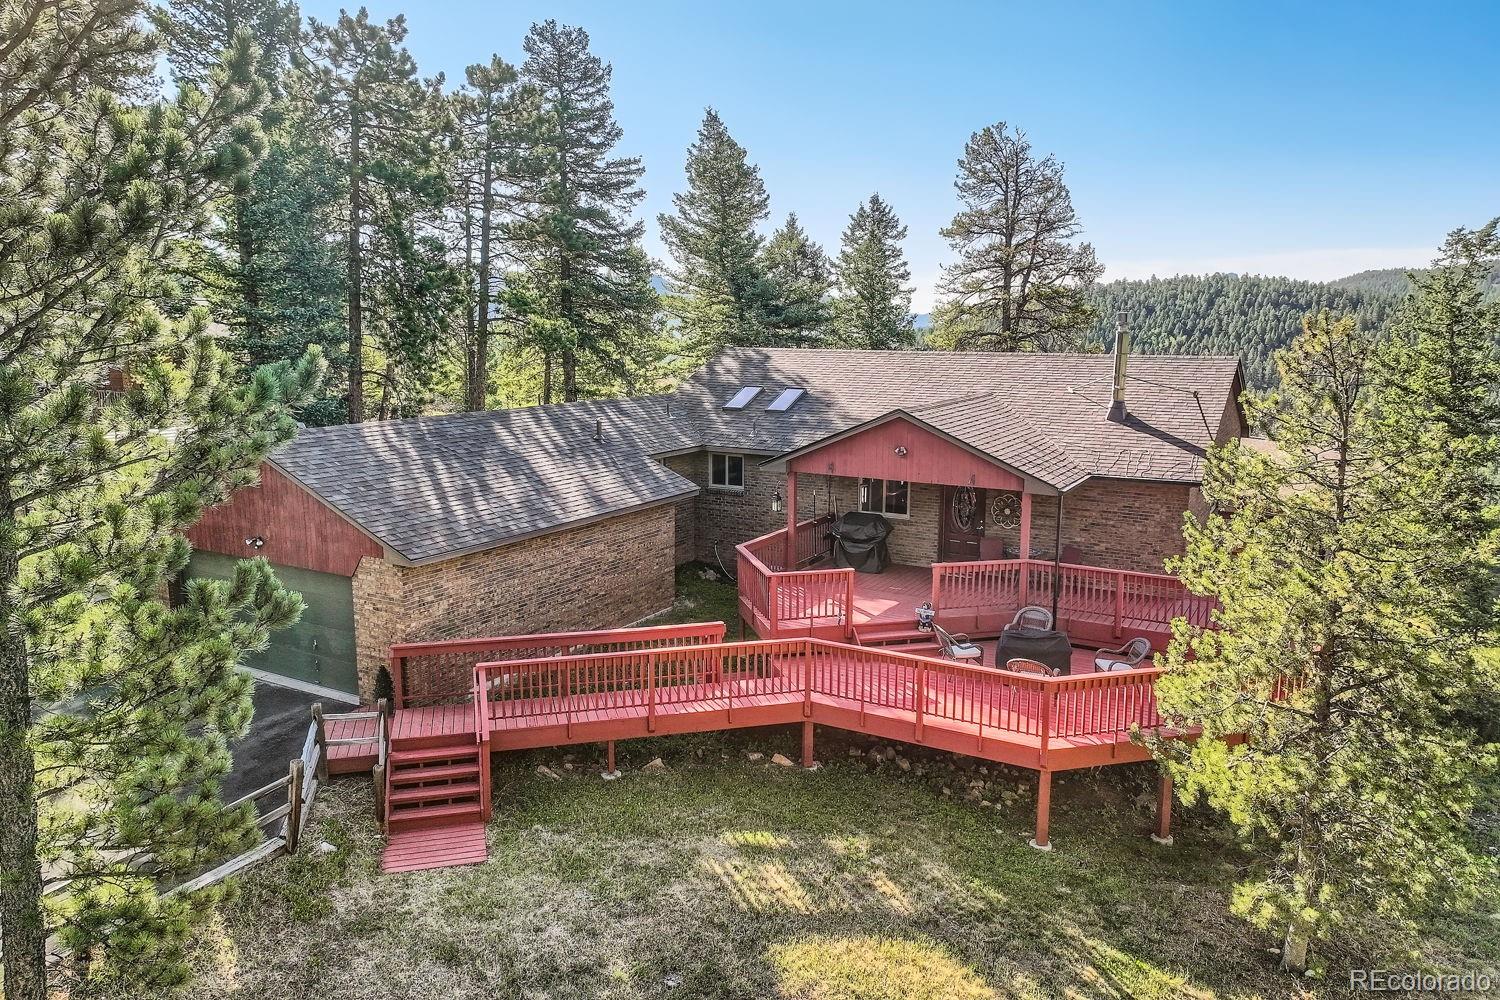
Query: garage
x,y
319,649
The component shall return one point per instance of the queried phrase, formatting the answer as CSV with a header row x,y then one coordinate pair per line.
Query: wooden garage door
x,y
319,649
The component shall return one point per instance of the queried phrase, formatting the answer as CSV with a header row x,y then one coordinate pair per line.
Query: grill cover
x,y
1044,645
859,542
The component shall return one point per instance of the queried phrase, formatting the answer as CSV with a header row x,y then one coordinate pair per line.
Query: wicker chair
x,y
1031,616
1021,665
1127,657
956,647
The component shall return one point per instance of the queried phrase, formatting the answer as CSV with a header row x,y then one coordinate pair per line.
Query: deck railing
x,y
442,672
778,598
1094,603
995,703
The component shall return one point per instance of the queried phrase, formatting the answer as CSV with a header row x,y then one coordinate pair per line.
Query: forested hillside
x,y
1226,314
1394,281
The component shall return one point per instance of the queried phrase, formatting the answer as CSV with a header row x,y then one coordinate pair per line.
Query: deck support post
x,y
807,746
1043,811
1163,834
321,741
1025,547
610,771
790,560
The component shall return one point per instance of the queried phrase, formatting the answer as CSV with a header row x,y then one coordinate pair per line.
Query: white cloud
x,y
1309,265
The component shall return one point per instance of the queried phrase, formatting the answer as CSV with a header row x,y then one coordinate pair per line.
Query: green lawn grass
x,y
723,877
704,594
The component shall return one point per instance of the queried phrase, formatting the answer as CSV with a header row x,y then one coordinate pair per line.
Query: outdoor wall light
x,y
777,504
256,543
900,451
864,493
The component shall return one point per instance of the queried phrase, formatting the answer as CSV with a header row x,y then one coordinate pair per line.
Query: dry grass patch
x,y
729,880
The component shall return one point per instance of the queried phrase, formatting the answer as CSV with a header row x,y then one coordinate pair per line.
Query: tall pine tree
x,y
490,112
197,32
269,273
1355,568
801,277
116,712
873,308
1020,279
575,235
382,123
719,291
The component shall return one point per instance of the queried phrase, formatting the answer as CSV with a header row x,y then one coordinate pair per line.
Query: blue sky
x,y
1309,139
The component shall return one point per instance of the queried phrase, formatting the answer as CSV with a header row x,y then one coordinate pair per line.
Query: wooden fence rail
x,y
305,774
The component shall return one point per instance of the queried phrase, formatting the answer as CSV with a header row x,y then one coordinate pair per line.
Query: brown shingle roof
x,y
435,487
1175,404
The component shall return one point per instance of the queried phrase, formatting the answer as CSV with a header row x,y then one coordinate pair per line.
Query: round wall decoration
x,y
965,508
1005,510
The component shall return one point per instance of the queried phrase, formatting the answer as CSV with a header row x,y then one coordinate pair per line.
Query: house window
x,y
726,472
885,496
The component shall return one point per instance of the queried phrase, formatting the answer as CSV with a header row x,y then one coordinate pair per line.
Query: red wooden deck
x,y
1045,723
787,589
888,601
438,779
357,757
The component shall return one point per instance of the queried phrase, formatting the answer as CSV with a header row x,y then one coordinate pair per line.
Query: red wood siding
x,y
299,529
929,459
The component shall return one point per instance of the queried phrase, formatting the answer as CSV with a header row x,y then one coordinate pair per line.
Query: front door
x,y
963,524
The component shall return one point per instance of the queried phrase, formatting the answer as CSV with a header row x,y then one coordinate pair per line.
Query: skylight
x,y
784,402
742,398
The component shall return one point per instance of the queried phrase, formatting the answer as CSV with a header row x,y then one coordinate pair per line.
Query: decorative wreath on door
x,y
965,507
1005,510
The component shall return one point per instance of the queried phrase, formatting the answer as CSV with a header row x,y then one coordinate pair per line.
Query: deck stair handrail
x,y
560,689
441,672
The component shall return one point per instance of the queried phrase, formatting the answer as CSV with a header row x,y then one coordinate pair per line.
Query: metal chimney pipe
x,y
1122,358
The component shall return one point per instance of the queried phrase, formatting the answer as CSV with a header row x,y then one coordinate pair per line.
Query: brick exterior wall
x,y
1113,522
602,575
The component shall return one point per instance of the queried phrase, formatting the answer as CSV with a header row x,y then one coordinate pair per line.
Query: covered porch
x,y
982,555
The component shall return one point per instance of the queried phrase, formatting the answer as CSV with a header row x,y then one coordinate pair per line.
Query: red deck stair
x,y
889,635
434,801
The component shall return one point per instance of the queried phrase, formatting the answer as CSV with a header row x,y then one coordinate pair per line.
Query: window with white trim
x,y
891,497
726,472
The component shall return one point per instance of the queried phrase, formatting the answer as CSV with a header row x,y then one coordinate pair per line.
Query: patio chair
x,y
1031,616
1127,657
956,647
1021,665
